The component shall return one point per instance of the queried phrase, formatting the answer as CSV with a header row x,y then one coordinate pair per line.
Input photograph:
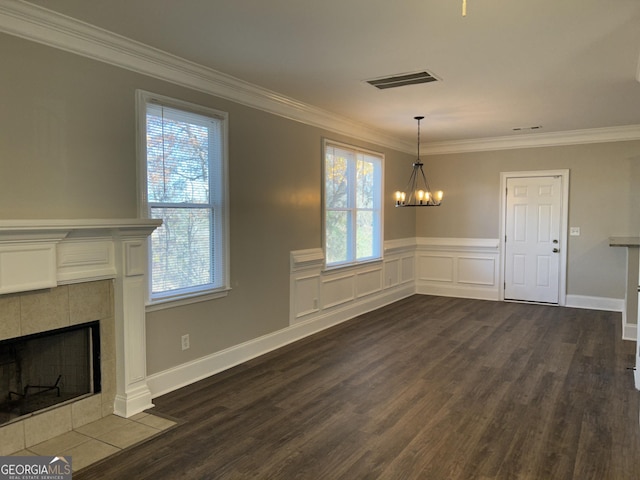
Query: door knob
x,y
555,250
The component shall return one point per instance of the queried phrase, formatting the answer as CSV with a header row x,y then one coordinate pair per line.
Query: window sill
x,y
172,302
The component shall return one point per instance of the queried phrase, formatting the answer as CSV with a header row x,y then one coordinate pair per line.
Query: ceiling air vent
x,y
520,129
402,80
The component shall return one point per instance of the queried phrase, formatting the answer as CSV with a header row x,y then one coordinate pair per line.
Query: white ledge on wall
x,y
399,245
80,224
466,244
309,258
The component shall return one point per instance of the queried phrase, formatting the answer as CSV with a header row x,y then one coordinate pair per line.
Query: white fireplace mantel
x,y
39,254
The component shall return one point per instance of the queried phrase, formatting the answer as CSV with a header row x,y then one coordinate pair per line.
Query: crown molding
x,y
533,140
44,26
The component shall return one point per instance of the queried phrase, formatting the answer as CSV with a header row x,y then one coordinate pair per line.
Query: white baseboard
x,y
629,330
174,378
595,303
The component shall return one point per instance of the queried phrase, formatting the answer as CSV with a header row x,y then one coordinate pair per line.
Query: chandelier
x,y
417,193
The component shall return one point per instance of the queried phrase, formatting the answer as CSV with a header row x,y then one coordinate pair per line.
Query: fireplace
x,y
45,369
87,279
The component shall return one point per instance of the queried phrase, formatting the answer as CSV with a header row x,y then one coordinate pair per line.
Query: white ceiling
x,y
563,64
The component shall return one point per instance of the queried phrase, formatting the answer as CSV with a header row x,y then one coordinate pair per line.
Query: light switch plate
x,y
574,231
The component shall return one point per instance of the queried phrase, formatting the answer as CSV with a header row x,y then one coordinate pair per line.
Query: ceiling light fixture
x,y
419,193
464,8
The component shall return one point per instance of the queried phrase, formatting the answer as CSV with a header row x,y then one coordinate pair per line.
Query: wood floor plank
x,y
426,388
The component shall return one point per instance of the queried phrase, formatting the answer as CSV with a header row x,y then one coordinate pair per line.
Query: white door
x,y
532,239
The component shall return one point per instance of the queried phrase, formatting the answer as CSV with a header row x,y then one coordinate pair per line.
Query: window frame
x,y
379,243
217,203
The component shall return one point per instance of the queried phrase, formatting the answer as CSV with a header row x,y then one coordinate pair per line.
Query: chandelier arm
x,y
411,186
426,184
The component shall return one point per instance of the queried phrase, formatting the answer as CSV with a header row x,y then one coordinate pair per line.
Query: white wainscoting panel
x,y
435,268
307,298
369,282
477,270
338,294
337,289
392,272
408,269
458,267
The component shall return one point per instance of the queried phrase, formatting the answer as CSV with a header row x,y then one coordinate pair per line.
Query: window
x,y
183,168
352,204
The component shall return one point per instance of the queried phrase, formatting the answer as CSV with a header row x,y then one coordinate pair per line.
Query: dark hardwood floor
x,y
426,388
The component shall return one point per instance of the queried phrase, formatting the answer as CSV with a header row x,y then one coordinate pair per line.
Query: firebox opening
x,y
45,369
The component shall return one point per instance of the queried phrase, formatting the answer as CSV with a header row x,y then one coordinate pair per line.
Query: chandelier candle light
x,y
419,193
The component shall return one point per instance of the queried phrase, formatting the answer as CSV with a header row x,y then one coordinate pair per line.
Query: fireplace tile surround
x,y
67,305
98,273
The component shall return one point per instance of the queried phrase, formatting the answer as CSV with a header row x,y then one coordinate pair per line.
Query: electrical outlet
x,y
185,341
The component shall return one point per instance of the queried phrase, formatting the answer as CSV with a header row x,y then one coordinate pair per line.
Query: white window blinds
x,y
185,187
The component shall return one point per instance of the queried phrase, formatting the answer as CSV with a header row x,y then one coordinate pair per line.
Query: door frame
x,y
564,225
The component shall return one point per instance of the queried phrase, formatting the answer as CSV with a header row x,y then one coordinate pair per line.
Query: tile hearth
x,y
98,440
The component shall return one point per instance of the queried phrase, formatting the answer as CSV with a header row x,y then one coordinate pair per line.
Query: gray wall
x,y
604,200
67,150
